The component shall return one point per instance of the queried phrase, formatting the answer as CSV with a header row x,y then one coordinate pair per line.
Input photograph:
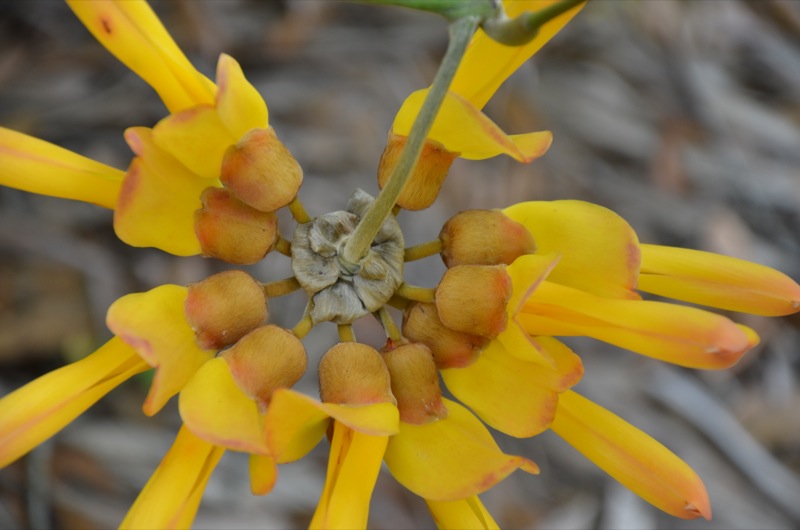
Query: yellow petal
x,y
677,334
215,409
515,397
353,467
639,462
238,103
263,474
172,495
197,138
33,413
33,165
294,425
487,64
451,458
132,32
526,273
462,128
158,199
599,250
464,514
718,281
154,324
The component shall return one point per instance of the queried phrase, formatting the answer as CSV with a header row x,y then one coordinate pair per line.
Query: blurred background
x,y
682,116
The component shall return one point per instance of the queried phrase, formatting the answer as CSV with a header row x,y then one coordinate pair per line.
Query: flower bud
x,y
473,299
264,360
354,374
261,171
415,383
427,176
232,231
450,349
224,307
484,237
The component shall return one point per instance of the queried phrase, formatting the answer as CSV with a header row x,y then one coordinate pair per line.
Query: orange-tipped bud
x,y
354,374
232,231
473,299
415,383
261,171
224,307
264,360
450,349
427,176
484,237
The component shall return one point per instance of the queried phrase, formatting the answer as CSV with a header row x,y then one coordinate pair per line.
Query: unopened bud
x,y
450,349
232,231
351,373
427,176
415,383
261,171
484,237
473,299
224,307
264,360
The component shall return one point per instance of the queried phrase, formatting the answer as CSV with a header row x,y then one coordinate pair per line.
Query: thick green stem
x,y
461,32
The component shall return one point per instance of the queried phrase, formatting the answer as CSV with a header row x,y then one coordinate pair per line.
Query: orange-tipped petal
x,y
599,250
677,334
33,413
33,165
214,408
171,496
632,457
463,514
154,324
238,103
451,458
263,474
462,128
158,199
132,32
353,467
487,63
719,281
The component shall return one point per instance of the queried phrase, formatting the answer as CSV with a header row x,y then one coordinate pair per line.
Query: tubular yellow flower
x,y
464,514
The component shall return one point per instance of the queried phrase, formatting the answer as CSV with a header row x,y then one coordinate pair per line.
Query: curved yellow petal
x,y
599,250
463,514
632,457
197,138
154,324
294,425
718,281
353,467
526,273
132,32
677,334
38,410
515,397
451,458
238,103
30,164
215,409
487,64
263,474
462,128
158,199
172,495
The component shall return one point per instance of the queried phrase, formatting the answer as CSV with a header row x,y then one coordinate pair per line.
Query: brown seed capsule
x,y
473,299
415,383
224,307
450,349
232,231
261,171
354,374
484,237
264,360
427,176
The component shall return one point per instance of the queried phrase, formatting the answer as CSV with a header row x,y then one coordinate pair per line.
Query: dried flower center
x,y
340,291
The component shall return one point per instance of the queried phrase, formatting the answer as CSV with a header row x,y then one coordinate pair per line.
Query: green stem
x,y
418,294
423,250
280,287
392,331
450,9
525,27
461,32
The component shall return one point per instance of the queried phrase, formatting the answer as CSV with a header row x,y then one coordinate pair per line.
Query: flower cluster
x,y
209,178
